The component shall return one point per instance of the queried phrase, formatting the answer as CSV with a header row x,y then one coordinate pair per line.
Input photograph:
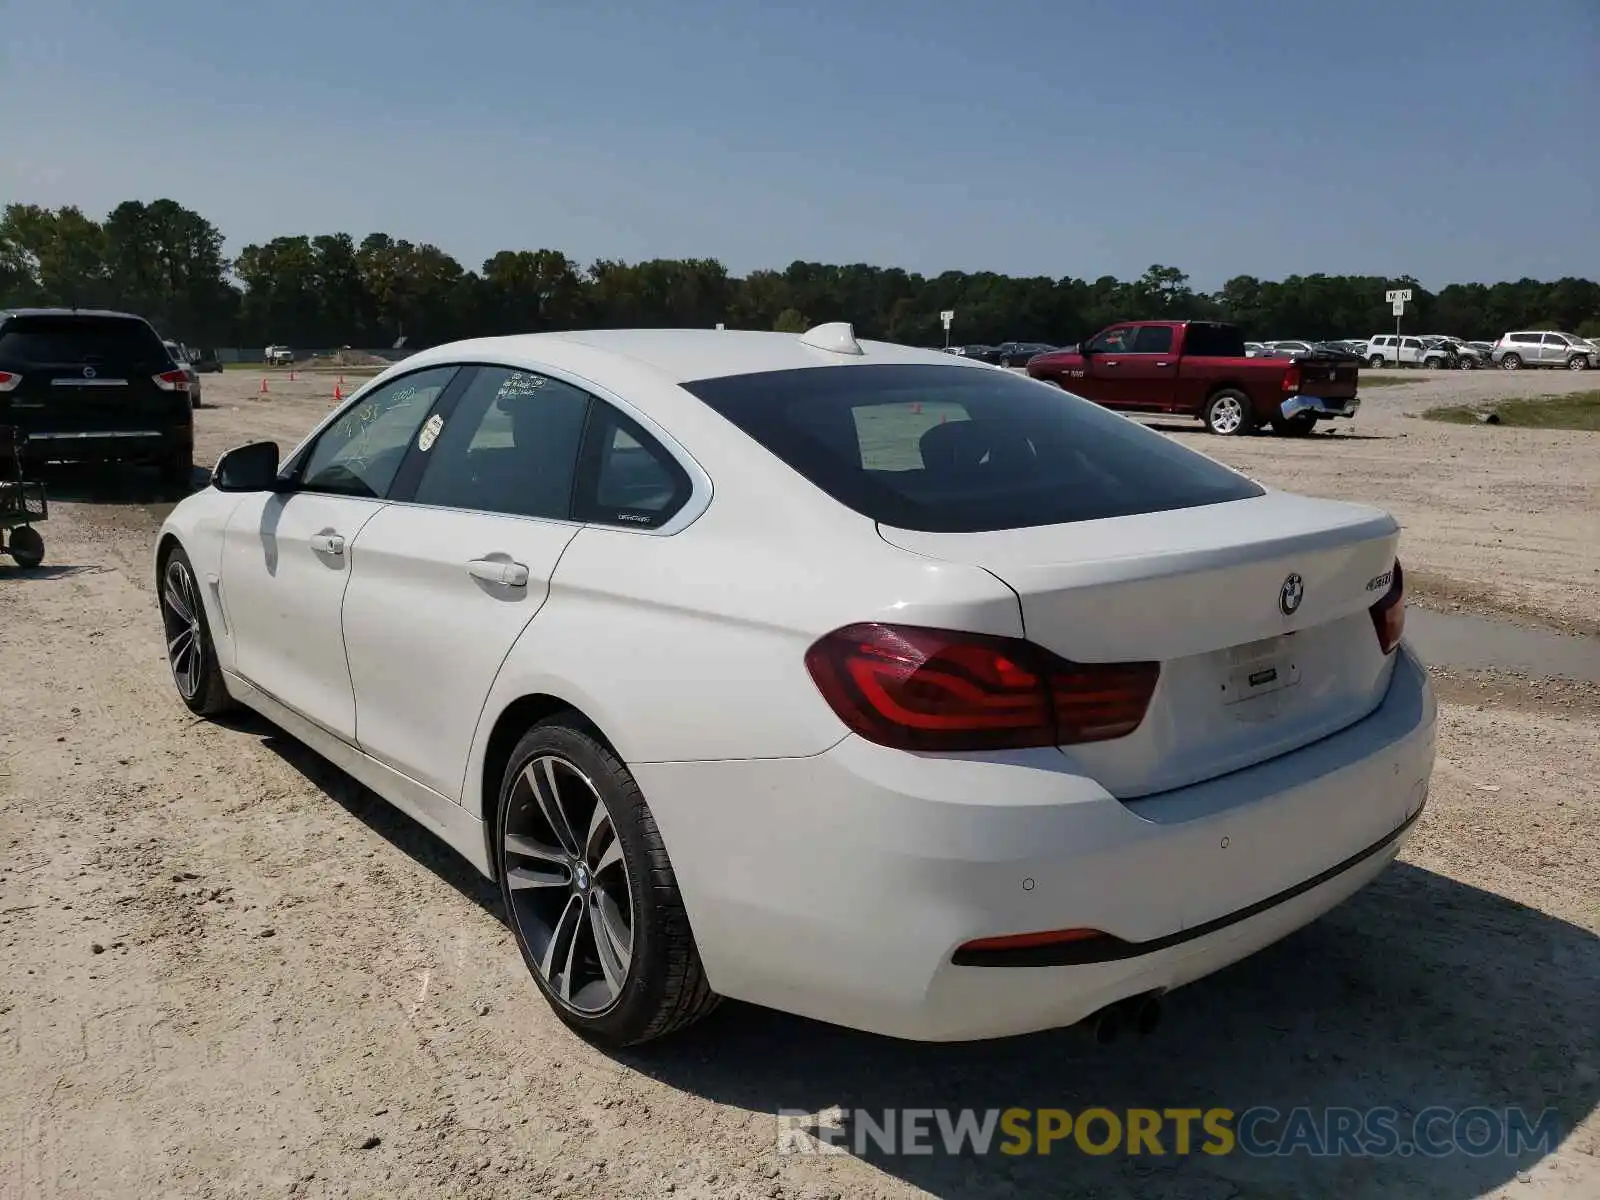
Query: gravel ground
x,y
227,970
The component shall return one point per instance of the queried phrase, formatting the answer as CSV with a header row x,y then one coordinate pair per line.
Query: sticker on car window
x,y
430,433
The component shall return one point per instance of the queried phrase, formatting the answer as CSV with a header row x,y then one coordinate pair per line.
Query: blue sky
x,y
1452,141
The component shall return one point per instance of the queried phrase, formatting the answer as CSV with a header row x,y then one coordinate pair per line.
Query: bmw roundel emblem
x,y
1290,594
88,372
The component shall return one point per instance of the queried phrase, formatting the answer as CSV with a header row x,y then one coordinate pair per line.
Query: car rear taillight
x,y
172,381
9,380
1291,380
914,688
1389,614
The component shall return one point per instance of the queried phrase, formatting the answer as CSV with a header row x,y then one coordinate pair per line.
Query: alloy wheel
x,y
1227,414
571,896
180,615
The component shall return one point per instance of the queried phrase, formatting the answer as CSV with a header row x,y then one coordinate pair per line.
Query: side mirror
x,y
249,468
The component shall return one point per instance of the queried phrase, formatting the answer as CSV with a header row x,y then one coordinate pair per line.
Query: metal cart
x,y
21,503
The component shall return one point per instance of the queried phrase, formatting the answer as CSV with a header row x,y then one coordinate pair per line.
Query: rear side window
x,y
952,449
1202,340
510,446
628,478
1525,337
79,340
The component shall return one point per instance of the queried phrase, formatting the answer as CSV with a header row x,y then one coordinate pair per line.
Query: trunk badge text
x,y
1290,594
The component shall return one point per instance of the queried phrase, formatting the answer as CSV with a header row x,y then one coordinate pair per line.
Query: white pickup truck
x,y
279,356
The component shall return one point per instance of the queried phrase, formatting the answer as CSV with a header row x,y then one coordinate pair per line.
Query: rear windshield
x,y
66,339
956,449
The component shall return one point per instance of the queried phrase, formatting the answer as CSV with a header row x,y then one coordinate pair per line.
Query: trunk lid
x,y
1204,591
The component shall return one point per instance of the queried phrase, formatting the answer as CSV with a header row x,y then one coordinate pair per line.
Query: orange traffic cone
x,y
291,376
263,390
917,407
338,393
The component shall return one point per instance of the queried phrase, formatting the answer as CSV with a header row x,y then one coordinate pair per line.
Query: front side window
x,y
952,449
510,446
1113,341
1153,339
1556,339
359,454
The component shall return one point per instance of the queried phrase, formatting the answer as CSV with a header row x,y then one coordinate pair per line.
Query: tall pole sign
x,y
1398,298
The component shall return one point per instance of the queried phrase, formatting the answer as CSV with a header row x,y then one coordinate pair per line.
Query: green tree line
x,y
166,262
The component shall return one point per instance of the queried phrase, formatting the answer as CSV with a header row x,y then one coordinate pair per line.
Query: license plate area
x,y
1253,678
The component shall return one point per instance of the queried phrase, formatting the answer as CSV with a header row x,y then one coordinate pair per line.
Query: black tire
x,y
202,691
1578,362
1299,425
1375,361
1511,362
25,546
665,987
1219,414
177,471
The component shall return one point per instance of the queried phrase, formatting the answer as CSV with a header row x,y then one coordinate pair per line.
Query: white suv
x,y
1544,348
1388,350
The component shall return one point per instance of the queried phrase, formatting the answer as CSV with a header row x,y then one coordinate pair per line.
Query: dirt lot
x,y
230,971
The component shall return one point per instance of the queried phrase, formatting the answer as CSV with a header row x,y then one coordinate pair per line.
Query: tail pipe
x,y
1139,1014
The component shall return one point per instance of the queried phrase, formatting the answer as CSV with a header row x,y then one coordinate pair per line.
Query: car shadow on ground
x,y
372,810
10,572
1330,435
111,484
1419,993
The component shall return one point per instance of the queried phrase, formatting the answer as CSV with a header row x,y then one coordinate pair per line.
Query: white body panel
x,y
425,638
284,597
821,873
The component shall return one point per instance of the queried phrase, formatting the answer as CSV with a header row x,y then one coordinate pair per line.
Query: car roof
x,y
70,312
684,355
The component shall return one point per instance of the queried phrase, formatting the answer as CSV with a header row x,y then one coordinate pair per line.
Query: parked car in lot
x,y
1199,369
207,362
180,356
1543,348
1289,347
1452,354
1017,354
649,624
1387,350
977,353
86,385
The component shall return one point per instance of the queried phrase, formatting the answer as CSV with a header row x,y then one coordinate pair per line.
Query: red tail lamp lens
x,y
914,688
1389,614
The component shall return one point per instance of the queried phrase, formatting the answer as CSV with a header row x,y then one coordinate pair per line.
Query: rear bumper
x,y
132,444
1323,408
841,886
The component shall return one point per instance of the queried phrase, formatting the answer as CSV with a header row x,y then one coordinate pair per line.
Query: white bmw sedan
x,y
858,681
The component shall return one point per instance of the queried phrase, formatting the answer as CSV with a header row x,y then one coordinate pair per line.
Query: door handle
x,y
1163,364
327,543
495,570
1108,362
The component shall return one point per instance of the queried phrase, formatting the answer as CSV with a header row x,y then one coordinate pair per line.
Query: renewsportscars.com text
x,y
1259,1131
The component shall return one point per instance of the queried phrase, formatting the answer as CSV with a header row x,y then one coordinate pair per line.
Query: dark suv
x,y
91,386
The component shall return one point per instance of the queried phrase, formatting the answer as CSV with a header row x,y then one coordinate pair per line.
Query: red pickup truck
x,y
1199,369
